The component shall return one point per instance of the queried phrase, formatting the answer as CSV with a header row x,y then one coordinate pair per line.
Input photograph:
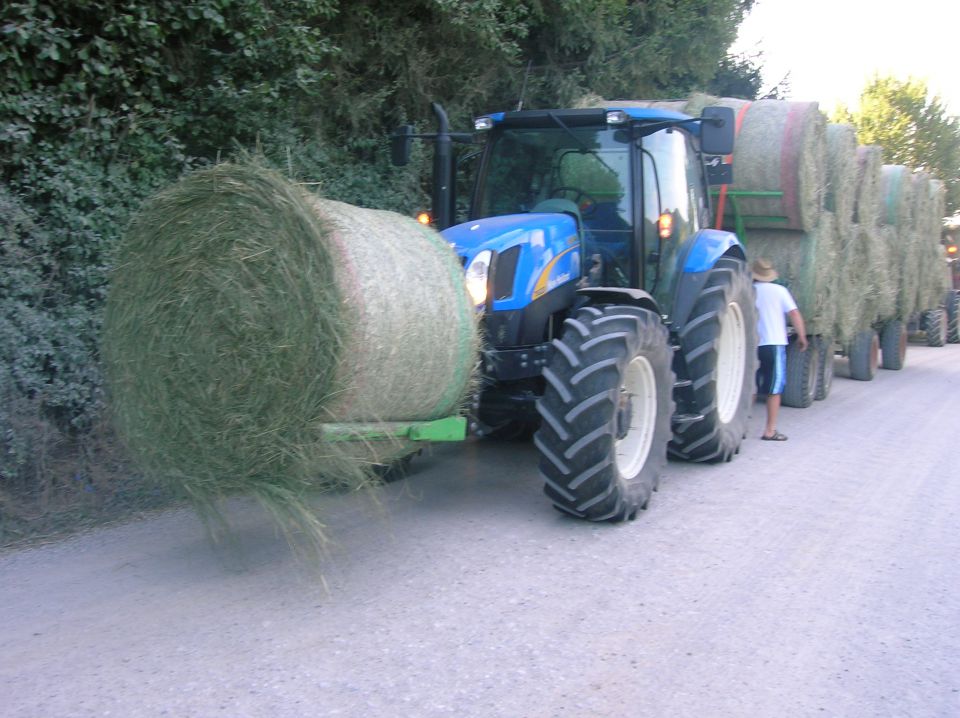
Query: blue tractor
x,y
618,326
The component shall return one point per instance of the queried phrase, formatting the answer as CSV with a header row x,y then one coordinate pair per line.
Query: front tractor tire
x,y
606,411
718,353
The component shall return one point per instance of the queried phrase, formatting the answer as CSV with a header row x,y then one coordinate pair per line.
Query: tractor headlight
x,y
478,272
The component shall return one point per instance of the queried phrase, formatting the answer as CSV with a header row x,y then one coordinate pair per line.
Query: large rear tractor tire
x,y
864,354
893,345
606,412
718,344
935,325
802,372
953,316
823,346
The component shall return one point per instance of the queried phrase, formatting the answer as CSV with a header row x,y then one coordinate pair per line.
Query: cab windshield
x,y
589,167
525,167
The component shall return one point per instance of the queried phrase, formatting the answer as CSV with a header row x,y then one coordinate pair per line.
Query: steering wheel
x,y
586,202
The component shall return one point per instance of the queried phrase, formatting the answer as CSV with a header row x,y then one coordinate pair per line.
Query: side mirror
x,y
717,130
400,144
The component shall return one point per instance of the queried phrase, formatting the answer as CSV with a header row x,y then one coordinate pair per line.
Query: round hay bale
x,y
896,211
876,276
929,207
807,263
849,299
411,345
907,265
781,147
892,272
896,189
842,171
244,315
866,210
922,203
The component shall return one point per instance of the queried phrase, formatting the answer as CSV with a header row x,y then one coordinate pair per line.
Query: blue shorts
x,y
772,374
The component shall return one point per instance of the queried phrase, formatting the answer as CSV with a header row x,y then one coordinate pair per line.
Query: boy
x,y
774,302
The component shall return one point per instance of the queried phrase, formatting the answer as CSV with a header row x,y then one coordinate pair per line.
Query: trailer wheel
x,y
864,355
935,325
893,345
802,372
606,412
824,348
953,316
718,345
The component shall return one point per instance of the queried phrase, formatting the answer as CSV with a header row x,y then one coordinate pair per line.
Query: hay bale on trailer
x,y
896,212
866,210
780,164
875,276
850,300
896,196
800,259
245,316
929,208
842,171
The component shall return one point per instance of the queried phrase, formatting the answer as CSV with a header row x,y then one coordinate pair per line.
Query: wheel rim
x,y
813,366
874,353
902,345
943,327
731,361
639,393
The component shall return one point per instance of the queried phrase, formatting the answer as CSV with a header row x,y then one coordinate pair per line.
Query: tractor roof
x,y
584,117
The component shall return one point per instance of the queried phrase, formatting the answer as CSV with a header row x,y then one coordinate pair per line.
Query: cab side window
x,y
697,189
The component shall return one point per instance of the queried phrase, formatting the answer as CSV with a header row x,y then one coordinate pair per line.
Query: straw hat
x,y
763,270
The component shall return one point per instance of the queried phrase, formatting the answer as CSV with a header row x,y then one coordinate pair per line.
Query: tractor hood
x,y
530,254
501,233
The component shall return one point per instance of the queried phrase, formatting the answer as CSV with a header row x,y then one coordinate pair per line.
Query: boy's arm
x,y
796,320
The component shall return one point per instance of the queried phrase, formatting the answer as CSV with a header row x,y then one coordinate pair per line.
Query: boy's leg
x,y
777,376
773,410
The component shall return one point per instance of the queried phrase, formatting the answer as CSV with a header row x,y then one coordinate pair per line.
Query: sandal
x,y
776,436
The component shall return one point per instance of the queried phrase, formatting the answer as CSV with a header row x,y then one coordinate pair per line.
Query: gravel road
x,y
818,577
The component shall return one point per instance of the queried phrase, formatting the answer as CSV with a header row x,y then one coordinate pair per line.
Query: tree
x,y
913,127
737,76
621,49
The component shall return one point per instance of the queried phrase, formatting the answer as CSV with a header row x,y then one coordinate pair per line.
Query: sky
x,y
833,48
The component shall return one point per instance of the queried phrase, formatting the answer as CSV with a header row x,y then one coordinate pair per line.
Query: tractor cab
x,y
631,182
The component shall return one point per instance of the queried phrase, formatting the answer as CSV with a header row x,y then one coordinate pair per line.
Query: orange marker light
x,y
952,249
424,218
665,224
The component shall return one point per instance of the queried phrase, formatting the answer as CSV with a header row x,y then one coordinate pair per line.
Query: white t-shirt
x,y
774,302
